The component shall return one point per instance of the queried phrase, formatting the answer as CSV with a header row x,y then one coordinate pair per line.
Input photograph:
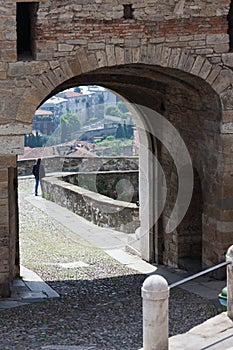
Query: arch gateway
x,y
173,62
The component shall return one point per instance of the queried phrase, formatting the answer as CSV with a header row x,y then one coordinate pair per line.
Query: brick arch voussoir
x,y
217,76
85,61
90,60
29,103
42,85
199,65
177,58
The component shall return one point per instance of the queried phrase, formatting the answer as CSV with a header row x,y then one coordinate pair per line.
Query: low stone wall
x,y
98,209
52,164
121,185
66,164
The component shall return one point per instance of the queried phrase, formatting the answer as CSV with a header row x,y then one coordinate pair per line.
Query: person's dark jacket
x,y
38,171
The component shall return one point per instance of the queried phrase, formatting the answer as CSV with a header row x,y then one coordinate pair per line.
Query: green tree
x,y
110,138
122,107
120,132
64,135
130,131
91,121
77,89
125,130
113,110
70,124
34,141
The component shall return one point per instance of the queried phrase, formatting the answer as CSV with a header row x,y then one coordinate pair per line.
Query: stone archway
x,y
169,89
140,55
169,83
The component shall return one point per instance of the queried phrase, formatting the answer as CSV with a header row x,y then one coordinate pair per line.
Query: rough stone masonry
x,y
171,57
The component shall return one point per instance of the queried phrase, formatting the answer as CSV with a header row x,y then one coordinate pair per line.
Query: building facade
x,y
172,61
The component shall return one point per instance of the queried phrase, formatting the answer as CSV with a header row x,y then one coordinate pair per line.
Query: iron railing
x,y
201,273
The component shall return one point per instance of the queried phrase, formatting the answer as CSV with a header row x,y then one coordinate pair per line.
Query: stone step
x,y
214,334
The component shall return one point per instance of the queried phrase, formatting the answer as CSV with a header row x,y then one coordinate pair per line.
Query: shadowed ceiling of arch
x,y
150,85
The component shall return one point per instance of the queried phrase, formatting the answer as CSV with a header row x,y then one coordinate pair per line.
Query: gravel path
x,y
100,302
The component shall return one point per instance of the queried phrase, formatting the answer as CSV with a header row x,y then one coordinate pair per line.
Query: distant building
x,y
44,122
91,135
79,104
56,105
87,104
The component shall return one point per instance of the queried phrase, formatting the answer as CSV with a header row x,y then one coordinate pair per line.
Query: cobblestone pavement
x,y
100,303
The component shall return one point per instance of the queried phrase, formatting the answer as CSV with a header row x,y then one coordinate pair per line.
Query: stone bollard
x,y
229,257
155,295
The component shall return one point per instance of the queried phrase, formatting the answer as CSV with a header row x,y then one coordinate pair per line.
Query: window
x,y
128,11
230,27
25,18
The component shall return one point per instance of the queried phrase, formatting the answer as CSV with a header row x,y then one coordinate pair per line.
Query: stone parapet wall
x,y
94,207
121,185
52,164
69,164
100,164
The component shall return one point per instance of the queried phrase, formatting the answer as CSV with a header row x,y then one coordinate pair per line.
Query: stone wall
x,y
173,57
98,209
8,224
120,185
69,164
177,23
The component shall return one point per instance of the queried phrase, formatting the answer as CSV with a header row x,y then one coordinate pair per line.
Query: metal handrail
x,y
201,273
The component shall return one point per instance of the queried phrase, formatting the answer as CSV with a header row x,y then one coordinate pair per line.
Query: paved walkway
x,y
216,333
31,288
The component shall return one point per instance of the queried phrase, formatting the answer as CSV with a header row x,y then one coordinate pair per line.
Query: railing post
x,y
229,257
155,293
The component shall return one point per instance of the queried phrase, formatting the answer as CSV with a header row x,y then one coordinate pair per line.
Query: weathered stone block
x,y
205,70
75,66
8,161
217,38
101,58
227,116
110,54
227,59
12,145
213,74
174,57
65,47
136,54
197,65
223,80
92,60
165,56
83,61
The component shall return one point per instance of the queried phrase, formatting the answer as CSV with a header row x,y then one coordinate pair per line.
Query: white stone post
x,y
155,295
229,257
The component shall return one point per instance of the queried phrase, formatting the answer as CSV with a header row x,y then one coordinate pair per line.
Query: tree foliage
x,y
35,140
113,110
77,89
124,132
117,110
70,123
122,107
120,133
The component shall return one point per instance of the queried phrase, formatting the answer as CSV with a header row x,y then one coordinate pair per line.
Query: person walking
x,y
38,171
